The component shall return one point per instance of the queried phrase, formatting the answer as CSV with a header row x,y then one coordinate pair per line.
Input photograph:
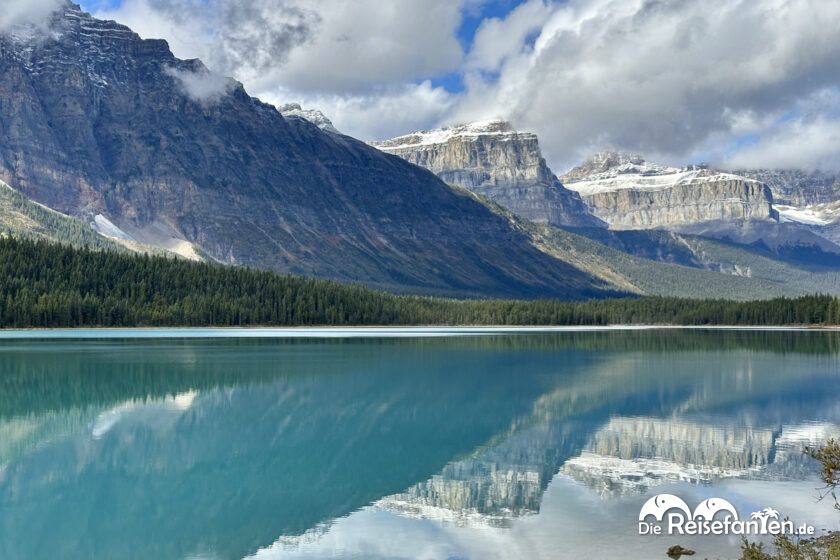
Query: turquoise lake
x,y
524,445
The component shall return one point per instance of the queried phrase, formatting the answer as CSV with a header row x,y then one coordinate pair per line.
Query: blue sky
x,y
453,81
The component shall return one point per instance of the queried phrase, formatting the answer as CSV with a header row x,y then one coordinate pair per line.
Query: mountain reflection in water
x,y
231,448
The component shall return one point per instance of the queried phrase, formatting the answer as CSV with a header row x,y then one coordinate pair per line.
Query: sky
x,y
742,83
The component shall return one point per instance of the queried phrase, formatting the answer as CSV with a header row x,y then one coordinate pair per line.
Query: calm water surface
x,y
522,446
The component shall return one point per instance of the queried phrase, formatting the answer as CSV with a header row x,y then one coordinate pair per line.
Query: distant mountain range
x,y
645,227
109,140
492,159
630,193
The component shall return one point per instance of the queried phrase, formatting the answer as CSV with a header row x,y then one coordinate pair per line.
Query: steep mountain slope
x,y
810,199
95,122
319,119
630,193
794,187
478,157
492,159
21,217
787,241
671,264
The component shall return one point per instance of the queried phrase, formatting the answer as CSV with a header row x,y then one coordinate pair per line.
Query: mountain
x,y
810,199
794,187
22,217
478,157
736,264
316,117
492,159
97,122
665,263
628,192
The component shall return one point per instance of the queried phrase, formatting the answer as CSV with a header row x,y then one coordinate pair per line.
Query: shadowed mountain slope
x,y
95,121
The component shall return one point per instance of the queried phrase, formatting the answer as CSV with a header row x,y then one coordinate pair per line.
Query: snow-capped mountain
x,y
808,198
797,188
491,158
629,192
98,122
316,117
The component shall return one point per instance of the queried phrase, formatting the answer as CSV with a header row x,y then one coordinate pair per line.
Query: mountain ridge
x,y
493,159
628,192
99,122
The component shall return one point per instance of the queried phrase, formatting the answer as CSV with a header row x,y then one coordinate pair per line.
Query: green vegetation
x,y
800,278
21,217
49,285
821,548
645,276
731,272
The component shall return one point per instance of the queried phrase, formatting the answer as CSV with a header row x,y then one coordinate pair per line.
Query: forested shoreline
x,y
49,285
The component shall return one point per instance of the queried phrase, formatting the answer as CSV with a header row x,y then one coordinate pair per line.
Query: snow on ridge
x,y
314,116
812,214
497,128
643,175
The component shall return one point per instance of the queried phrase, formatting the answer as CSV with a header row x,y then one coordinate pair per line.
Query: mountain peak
x,y
316,117
492,159
463,131
613,163
107,124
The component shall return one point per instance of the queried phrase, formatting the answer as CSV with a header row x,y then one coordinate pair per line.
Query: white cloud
x,y
380,114
368,43
807,137
201,85
496,39
16,12
656,76
324,46
668,78
804,144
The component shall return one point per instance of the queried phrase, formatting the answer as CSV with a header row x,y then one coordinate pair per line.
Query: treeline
x,y
49,285
21,217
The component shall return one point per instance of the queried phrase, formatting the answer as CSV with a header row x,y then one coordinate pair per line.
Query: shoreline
x,y
420,331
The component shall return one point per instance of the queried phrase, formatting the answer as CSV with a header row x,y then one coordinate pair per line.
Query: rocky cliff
x,y
492,159
628,192
794,187
316,117
95,121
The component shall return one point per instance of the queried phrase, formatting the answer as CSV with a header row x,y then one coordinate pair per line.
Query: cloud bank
x,y
713,80
17,12
201,85
658,77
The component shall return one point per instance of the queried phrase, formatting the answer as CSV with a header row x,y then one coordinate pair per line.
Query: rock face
x,y
793,187
492,159
95,121
628,192
319,119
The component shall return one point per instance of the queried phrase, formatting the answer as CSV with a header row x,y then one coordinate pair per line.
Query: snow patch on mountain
x,y
811,214
316,117
612,171
499,129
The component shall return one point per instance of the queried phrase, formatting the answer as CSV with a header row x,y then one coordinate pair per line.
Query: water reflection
x,y
411,448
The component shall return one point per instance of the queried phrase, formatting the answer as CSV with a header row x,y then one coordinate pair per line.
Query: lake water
x,y
499,446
